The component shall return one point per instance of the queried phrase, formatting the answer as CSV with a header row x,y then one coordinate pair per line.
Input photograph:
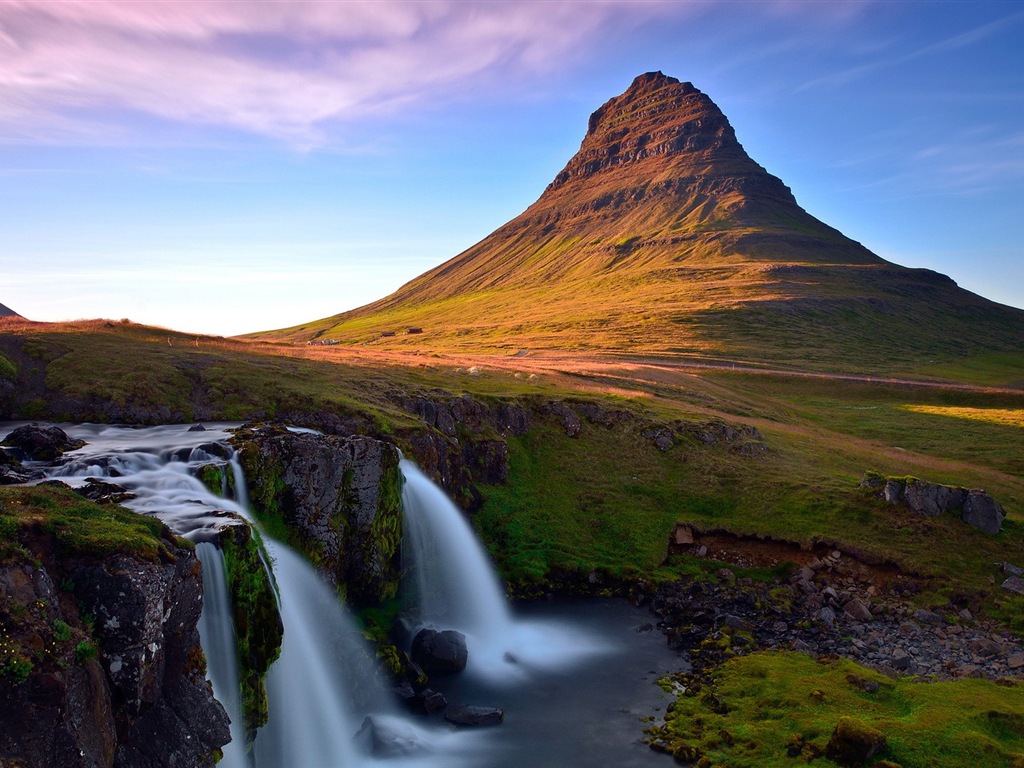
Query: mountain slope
x,y
661,235
6,312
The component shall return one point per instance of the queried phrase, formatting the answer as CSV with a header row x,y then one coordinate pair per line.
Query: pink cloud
x,y
279,69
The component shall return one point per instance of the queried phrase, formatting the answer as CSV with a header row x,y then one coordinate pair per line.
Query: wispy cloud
x,y
279,69
79,69
963,40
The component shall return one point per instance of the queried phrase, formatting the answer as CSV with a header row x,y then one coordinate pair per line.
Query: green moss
x,y
386,529
8,370
78,526
258,624
777,706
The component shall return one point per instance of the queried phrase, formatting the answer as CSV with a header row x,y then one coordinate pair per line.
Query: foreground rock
x,y
101,663
339,496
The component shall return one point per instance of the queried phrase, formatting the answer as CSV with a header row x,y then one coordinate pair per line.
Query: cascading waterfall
x,y
217,630
456,587
311,724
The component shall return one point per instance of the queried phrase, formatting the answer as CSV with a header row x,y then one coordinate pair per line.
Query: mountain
x,y
662,236
5,312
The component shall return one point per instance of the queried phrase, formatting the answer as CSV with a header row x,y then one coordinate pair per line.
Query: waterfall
x,y
217,631
325,681
456,587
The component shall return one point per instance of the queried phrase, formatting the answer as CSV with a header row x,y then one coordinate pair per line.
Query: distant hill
x,y
6,312
662,236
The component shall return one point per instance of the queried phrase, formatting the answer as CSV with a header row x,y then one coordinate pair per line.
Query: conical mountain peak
x,y
661,234
5,312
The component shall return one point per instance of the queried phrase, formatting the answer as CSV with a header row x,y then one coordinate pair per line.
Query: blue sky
x,y
233,166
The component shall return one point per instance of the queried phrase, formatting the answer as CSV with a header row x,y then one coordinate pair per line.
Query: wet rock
x,y
13,473
340,497
433,701
37,443
982,512
474,716
103,492
443,651
853,743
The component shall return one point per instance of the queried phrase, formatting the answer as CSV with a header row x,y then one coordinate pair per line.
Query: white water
x,y
457,588
217,631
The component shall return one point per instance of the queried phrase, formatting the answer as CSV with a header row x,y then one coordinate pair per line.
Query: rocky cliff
x,y
100,661
337,498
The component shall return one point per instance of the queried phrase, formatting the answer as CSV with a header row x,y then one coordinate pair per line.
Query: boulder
x,y
443,651
982,512
41,443
932,499
474,716
854,742
857,610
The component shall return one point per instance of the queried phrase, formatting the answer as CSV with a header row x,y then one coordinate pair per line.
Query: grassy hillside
x,y
607,499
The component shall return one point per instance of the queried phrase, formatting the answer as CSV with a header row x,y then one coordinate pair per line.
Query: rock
x,y
41,443
443,651
339,496
982,512
965,614
826,616
854,742
663,442
928,617
1012,569
683,535
1014,584
197,428
857,610
901,659
984,647
570,421
893,491
387,738
131,689
474,716
932,499
13,473
103,492
433,701
1016,661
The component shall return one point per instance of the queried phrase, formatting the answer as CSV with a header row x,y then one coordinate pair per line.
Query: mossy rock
x,y
854,742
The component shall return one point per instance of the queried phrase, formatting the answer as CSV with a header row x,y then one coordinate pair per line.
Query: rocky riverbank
x,y
835,605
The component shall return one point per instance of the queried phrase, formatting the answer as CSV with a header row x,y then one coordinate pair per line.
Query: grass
x,y
762,708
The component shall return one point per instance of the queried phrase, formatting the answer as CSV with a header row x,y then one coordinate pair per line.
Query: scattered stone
x,y
928,617
683,535
474,716
1016,661
1014,584
103,492
1013,570
857,610
853,743
965,614
443,651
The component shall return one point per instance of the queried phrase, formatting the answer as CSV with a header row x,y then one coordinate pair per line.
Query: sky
x,y
230,166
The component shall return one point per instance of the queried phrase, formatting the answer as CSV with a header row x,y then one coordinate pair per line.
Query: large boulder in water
x,y
41,443
443,651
